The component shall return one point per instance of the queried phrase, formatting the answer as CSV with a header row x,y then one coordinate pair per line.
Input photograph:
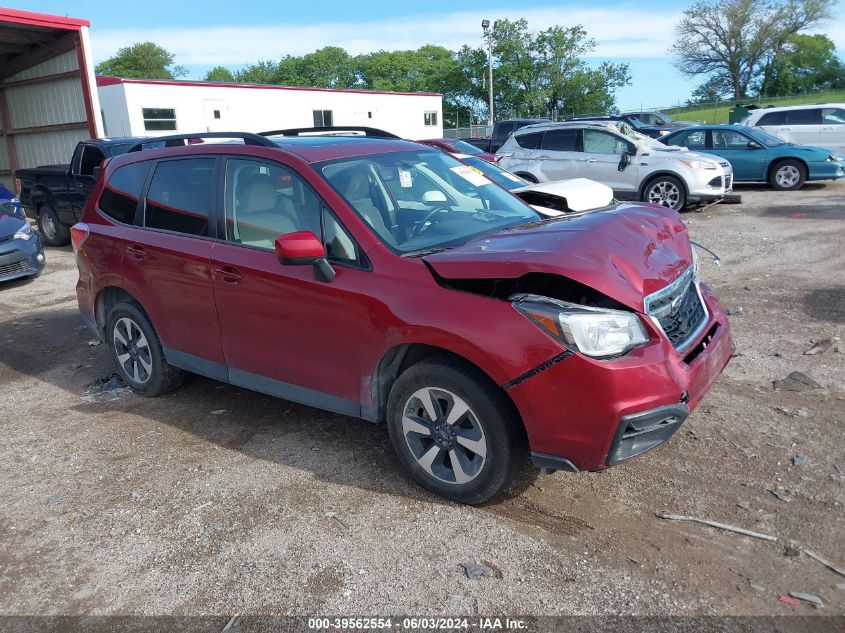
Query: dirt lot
x,y
215,500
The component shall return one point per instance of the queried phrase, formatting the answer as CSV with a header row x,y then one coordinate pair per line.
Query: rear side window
x,y
561,140
180,195
530,140
835,116
773,118
122,190
810,116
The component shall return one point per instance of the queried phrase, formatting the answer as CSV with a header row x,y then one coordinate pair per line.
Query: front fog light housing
x,y
596,332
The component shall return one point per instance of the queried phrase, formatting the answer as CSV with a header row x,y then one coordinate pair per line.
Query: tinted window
x,y
773,118
266,200
696,139
91,158
504,130
835,116
561,140
596,142
809,116
529,140
180,195
122,190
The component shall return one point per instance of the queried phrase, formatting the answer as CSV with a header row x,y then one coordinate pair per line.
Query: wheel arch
x,y
780,159
107,298
527,175
663,172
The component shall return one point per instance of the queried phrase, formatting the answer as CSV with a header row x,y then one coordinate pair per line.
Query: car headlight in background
x,y
24,233
595,332
699,164
835,158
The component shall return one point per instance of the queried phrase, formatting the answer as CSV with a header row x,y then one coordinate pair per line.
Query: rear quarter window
x,y
122,191
529,140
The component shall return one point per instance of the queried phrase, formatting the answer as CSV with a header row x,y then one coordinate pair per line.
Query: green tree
x,y
219,73
716,88
262,72
143,60
736,38
808,63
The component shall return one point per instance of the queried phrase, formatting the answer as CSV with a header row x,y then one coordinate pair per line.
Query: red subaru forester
x,y
386,280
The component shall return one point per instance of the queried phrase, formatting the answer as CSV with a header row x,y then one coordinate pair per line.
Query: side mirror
x,y
303,248
624,161
754,145
434,197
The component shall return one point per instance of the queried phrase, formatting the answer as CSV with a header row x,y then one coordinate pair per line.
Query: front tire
x,y
138,353
667,191
455,433
52,230
788,175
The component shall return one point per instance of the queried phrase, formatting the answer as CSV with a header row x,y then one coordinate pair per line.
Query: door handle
x,y
137,251
826,129
228,274
590,160
543,157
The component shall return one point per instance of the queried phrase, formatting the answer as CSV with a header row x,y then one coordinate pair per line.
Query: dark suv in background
x,y
386,280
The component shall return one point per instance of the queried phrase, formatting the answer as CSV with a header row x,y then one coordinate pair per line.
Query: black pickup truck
x,y
501,131
55,194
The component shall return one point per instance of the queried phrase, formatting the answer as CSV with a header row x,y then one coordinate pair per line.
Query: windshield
x,y
769,140
495,173
423,200
466,148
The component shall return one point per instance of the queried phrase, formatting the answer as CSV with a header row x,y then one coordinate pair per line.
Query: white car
x,y
634,166
817,125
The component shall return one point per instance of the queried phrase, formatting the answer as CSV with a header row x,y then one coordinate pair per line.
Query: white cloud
x,y
622,32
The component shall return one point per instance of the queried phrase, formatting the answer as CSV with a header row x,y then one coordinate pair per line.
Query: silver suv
x,y
633,165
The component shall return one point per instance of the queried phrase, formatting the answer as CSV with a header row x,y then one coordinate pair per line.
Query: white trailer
x,y
48,98
136,107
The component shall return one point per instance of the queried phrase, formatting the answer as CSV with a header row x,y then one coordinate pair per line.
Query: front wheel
x,y
52,230
455,433
138,353
788,175
666,191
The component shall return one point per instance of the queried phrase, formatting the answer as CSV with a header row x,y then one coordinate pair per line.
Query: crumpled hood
x,y
9,225
626,252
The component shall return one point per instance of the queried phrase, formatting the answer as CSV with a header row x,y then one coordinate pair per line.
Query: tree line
x,y
739,48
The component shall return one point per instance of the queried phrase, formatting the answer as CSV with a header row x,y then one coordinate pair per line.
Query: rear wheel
x,y
788,175
454,432
666,191
138,353
52,230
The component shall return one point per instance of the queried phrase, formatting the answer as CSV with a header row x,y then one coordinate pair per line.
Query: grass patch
x,y
718,113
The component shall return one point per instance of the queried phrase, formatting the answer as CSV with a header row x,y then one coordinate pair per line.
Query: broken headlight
x,y
596,332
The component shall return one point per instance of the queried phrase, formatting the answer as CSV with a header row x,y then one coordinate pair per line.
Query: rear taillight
x,y
78,235
18,186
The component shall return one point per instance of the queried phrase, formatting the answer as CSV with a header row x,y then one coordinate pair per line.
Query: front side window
x,y
596,142
807,116
122,191
646,117
697,139
91,158
728,139
180,196
265,200
414,201
156,119
430,118
833,116
323,118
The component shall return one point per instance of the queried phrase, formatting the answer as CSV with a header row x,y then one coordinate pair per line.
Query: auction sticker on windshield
x,y
471,175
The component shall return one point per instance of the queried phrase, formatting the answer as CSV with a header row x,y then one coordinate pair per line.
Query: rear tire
x,y
788,175
138,353
455,433
667,191
52,230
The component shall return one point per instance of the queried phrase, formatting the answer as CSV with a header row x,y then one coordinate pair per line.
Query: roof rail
x,y
170,141
331,131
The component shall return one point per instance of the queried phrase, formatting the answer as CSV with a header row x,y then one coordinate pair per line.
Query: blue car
x,y
757,156
21,254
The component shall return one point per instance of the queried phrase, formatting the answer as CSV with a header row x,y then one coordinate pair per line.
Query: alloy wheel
x,y
48,226
787,176
444,435
132,350
664,193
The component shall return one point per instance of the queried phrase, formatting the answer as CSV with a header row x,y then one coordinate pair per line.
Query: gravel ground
x,y
215,500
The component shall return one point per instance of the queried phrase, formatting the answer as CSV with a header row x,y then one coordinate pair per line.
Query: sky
x,y
236,33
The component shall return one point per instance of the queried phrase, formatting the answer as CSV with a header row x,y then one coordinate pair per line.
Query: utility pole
x,y
488,33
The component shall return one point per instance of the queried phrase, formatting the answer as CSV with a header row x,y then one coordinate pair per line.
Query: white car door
x,y
601,158
833,129
558,156
804,126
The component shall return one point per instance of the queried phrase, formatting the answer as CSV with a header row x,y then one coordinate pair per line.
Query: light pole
x,y
488,33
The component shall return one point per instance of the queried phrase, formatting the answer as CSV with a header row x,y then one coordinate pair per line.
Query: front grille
x,y
678,309
11,269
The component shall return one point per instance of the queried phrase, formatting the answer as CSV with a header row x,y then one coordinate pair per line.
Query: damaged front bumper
x,y
586,414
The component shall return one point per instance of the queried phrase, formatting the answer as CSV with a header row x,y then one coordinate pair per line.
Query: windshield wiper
x,y
425,251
